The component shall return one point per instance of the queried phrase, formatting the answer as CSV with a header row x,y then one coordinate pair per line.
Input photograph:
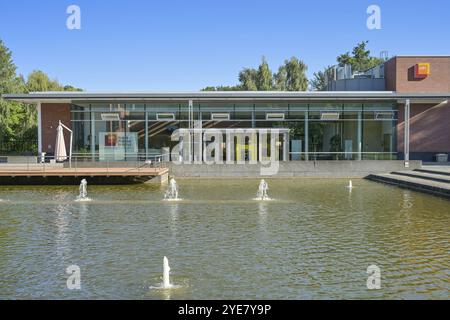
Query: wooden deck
x,y
44,171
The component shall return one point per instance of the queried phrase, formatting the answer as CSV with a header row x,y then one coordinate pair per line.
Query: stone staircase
x,y
429,179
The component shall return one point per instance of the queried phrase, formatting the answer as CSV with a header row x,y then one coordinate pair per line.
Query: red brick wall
x,y
429,128
399,74
390,74
51,113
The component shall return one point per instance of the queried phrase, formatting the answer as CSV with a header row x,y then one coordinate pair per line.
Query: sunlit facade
x,y
327,130
407,120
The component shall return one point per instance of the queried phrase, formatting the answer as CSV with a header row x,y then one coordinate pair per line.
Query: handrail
x,y
34,163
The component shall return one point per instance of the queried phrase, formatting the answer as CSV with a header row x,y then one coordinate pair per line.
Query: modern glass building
x,y
313,125
407,121
328,130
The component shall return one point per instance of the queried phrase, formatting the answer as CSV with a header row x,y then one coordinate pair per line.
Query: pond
x,y
314,239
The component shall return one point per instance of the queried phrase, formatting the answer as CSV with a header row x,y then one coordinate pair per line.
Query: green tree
x,y
291,76
39,81
221,88
280,79
344,59
248,78
264,81
360,58
320,79
296,79
71,88
18,121
11,113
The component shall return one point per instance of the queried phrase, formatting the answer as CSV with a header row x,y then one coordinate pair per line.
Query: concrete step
x,y
445,171
414,183
424,175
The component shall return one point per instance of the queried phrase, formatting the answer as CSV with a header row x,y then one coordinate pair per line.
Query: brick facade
x,y
51,113
429,130
399,75
429,124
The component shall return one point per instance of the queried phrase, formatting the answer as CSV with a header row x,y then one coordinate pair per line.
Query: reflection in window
x,y
334,131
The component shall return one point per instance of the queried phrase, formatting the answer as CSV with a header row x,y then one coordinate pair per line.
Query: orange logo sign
x,y
421,70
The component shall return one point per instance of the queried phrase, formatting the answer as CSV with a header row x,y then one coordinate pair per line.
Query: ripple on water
x,y
314,242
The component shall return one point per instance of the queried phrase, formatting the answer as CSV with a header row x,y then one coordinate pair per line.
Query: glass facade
x,y
317,131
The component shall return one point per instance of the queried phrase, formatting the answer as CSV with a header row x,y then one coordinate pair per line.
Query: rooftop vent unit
x,y
329,116
110,117
344,72
376,72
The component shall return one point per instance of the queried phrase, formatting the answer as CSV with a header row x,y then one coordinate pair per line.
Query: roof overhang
x,y
72,97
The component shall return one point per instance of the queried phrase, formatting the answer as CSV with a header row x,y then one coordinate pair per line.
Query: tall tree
x,y
247,79
264,81
360,58
11,113
291,76
344,59
296,79
280,79
39,81
18,121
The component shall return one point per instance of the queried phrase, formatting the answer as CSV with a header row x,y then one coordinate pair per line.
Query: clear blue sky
x,y
139,45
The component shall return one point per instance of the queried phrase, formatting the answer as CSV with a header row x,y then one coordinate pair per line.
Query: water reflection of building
x,y
329,125
63,232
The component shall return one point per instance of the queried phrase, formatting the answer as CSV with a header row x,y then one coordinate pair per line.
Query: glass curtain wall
x,y
163,119
379,132
222,116
352,131
317,131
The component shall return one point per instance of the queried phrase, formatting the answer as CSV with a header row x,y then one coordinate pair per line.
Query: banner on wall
x,y
116,145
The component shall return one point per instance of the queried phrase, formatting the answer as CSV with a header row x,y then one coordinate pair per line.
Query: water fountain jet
x,y
166,274
262,191
83,191
172,191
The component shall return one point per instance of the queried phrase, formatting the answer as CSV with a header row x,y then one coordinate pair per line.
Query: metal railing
x,y
141,162
343,156
80,163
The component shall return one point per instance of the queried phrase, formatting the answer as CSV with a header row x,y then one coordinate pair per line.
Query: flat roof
x,y
69,96
416,56
422,56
